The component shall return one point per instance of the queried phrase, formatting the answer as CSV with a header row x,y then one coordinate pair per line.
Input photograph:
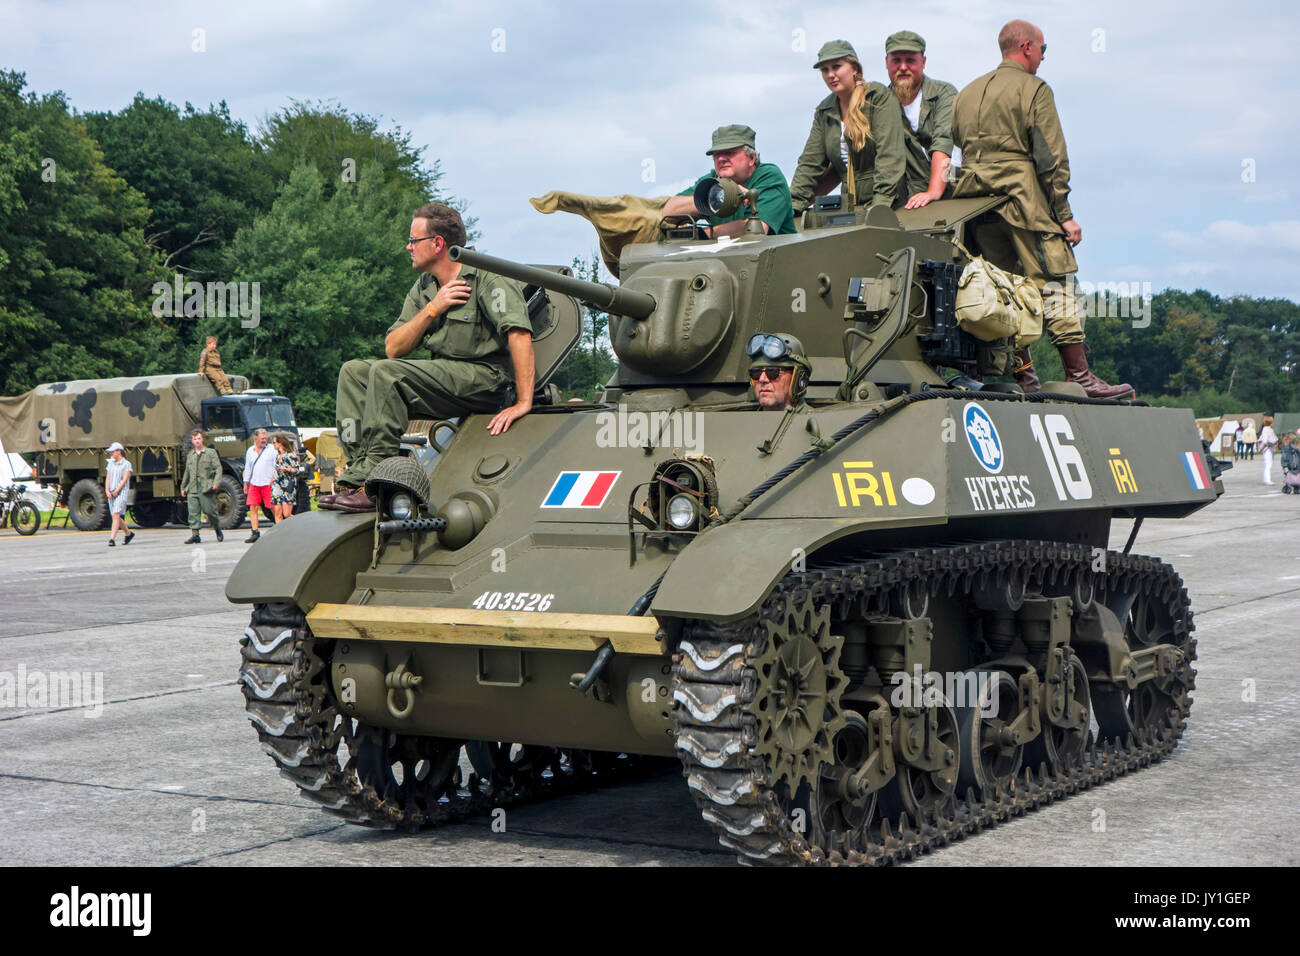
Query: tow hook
x,y
591,681
401,681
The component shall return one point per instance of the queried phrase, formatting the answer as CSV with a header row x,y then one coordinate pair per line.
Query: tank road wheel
x,y
1155,705
412,773
922,794
231,506
840,820
988,759
26,517
88,505
1062,748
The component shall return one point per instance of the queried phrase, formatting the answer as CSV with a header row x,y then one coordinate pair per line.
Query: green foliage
x,y
590,365
202,174
75,268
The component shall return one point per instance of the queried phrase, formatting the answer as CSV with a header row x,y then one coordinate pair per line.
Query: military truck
x,y
866,626
61,429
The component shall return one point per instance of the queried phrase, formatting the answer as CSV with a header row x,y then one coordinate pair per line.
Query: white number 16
x,y
1063,460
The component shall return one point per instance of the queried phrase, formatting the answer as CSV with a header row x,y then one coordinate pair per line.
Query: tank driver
x,y
779,371
735,158
474,325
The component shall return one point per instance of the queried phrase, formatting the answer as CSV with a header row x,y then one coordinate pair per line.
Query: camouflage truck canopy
x,y
91,413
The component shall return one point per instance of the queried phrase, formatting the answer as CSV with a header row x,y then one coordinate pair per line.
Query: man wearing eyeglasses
x,y
1009,133
475,327
779,371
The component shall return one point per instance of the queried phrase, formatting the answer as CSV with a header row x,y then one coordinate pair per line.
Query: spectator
x,y
1248,439
117,486
259,473
285,491
1267,442
1236,447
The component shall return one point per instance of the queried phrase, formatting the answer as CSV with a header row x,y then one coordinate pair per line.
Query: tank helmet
x,y
783,350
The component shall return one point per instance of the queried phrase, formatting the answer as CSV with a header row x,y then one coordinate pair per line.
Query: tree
x,y
74,264
590,365
203,176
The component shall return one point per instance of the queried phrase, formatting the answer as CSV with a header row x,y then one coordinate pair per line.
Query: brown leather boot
x,y
1075,360
1025,377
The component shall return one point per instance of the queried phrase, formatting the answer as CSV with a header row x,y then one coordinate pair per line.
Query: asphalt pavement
x,y
167,770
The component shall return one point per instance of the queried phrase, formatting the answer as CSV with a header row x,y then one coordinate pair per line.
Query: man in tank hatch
x,y
779,370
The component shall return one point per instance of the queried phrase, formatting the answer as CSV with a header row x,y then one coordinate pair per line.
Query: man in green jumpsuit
x,y
1010,136
476,328
926,104
199,487
735,158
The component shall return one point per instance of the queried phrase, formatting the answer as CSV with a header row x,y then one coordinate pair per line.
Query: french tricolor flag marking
x,y
580,489
1194,465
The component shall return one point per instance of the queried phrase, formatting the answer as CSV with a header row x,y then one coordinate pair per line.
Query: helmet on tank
x,y
783,350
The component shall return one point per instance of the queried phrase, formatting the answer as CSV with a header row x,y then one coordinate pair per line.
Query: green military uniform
x,y
933,133
470,370
772,206
202,472
879,168
210,367
1012,145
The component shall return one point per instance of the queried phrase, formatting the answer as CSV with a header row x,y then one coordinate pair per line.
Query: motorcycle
x,y
18,511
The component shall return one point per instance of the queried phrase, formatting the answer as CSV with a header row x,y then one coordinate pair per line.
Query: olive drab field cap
x,y
835,50
905,40
729,137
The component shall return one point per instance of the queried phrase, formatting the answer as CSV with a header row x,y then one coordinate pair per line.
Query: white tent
x,y
14,469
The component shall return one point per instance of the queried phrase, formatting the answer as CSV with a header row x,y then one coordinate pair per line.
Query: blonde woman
x,y
856,140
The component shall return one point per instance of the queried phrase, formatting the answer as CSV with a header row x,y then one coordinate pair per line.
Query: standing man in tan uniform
x,y
1006,125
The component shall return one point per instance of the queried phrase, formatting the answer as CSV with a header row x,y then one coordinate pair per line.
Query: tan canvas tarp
x,y
619,220
92,413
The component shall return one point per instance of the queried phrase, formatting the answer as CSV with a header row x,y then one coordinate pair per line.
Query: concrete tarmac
x,y
168,770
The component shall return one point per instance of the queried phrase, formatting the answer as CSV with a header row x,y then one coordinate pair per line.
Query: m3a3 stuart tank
x,y
865,626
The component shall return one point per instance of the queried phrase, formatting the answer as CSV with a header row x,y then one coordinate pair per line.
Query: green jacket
x,y
933,132
474,331
202,470
879,168
1011,143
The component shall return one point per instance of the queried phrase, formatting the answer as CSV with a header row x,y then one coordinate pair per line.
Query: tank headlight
x,y
681,512
400,506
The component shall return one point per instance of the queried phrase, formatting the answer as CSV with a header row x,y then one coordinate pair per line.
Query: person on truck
x,y
210,368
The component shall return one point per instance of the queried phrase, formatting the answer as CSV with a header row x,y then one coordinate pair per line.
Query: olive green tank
x,y
863,624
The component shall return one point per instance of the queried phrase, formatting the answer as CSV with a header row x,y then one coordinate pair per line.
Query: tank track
x,y
716,683
288,698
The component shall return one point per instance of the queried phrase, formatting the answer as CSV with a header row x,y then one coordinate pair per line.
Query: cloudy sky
x,y
1182,118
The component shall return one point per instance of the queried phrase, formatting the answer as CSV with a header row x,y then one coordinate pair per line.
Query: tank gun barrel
x,y
605,297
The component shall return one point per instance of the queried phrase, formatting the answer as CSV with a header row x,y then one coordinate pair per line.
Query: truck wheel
x,y
231,506
151,514
88,505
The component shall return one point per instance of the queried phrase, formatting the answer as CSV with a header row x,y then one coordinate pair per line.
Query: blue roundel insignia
x,y
982,435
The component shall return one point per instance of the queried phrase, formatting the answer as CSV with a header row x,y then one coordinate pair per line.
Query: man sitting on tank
x,y
779,371
476,328
735,158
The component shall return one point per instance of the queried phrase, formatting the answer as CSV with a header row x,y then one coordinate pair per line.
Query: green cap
x,y
835,50
904,40
729,137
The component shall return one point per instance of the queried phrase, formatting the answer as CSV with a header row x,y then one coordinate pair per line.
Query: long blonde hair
x,y
856,125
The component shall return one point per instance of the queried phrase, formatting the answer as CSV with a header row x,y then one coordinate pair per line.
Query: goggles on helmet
x,y
768,346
